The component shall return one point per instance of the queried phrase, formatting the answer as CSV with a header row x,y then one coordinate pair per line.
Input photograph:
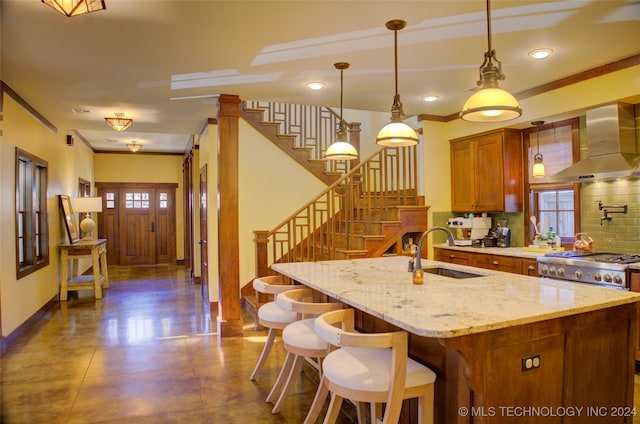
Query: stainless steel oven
x,y
603,269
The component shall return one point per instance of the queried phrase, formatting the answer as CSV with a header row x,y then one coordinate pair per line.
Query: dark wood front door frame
x,y
109,226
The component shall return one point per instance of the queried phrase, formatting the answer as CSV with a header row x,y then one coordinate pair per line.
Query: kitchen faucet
x,y
414,263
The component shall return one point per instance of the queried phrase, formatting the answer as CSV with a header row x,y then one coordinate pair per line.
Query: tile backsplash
x,y
621,234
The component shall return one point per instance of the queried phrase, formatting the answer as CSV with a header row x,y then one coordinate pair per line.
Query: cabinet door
x,y
635,287
463,195
498,263
529,267
512,381
489,174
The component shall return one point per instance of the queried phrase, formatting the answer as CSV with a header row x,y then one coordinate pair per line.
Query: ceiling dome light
x,y
134,146
396,133
540,53
341,149
430,98
76,7
491,103
315,85
119,123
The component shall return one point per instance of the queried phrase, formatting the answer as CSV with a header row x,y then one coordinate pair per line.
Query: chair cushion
x,y
271,312
368,369
302,334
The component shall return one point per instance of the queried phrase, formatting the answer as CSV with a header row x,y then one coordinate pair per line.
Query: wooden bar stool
x,y
371,368
300,341
271,315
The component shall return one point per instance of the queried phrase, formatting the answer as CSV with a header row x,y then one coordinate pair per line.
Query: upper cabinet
x,y
486,172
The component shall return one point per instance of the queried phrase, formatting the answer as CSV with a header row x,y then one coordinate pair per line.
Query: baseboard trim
x,y
44,313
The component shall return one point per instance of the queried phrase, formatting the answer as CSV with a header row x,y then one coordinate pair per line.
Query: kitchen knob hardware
x,y
495,263
544,269
452,256
607,278
597,276
617,279
552,270
561,272
578,274
531,267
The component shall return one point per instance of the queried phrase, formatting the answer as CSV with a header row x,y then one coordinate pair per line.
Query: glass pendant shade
x,y
491,105
538,165
396,133
341,149
119,123
76,7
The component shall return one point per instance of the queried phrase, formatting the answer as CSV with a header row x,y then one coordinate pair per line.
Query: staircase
x,y
371,210
302,132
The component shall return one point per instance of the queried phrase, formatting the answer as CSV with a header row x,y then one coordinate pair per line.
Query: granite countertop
x,y
517,252
445,307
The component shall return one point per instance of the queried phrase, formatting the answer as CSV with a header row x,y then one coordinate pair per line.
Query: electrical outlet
x,y
530,362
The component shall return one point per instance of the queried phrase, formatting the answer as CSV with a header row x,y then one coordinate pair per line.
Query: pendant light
x,y
490,103
538,166
341,149
396,133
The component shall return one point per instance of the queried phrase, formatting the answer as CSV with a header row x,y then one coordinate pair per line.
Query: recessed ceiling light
x,y
430,98
540,53
315,85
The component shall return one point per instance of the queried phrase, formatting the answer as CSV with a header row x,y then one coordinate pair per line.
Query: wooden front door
x,y
139,222
137,226
204,254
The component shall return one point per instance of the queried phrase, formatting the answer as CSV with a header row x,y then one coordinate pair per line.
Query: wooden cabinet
x,y
453,257
498,262
513,264
486,172
635,287
529,267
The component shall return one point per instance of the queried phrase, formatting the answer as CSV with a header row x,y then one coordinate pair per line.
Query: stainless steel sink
x,y
452,273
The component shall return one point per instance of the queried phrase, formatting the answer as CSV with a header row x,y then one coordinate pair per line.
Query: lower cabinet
x,y
513,264
453,256
635,287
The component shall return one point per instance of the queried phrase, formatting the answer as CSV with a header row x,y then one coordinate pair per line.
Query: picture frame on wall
x,y
66,211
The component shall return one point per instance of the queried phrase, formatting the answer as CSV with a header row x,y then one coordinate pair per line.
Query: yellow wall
x,y
22,298
146,168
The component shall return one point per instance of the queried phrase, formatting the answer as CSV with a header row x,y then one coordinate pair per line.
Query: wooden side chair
x,y
300,341
271,315
369,368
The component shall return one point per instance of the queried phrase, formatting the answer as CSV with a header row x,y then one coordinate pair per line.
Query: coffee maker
x,y
504,233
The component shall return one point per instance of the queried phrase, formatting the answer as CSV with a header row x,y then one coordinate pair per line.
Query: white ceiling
x,y
162,62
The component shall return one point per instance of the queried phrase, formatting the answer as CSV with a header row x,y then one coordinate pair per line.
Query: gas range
x,y
604,269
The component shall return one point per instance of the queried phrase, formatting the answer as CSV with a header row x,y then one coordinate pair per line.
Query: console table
x,y
94,249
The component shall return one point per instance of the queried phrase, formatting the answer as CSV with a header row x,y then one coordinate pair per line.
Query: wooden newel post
x,y
262,252
261,238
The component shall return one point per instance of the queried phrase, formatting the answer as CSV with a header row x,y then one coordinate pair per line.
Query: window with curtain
x,y
32,229
555,204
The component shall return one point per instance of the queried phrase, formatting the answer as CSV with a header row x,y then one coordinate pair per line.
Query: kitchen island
x,y
505,347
